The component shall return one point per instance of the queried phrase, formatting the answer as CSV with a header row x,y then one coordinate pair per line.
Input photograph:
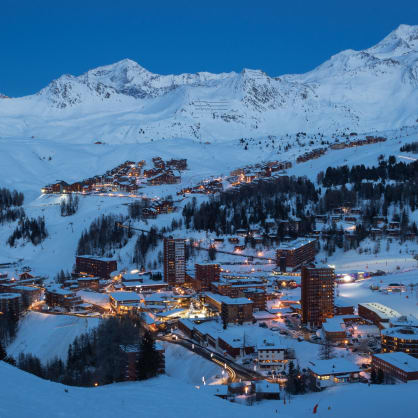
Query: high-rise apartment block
x,y
317,295
174,261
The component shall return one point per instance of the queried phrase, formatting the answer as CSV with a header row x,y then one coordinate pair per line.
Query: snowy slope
x,y
23,395
123,102
48,336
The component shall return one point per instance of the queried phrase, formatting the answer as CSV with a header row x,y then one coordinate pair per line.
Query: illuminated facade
x,y
95,266
317,295
174,261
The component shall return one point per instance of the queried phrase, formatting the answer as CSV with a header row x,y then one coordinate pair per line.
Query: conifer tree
x,y
3,353
149,359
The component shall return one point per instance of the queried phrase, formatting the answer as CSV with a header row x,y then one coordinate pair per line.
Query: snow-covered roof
x,y
267,387
271,344
125,296
384,312
27,288
172,312
333,366
293,245
335,324
402,332
9,295
227,300
95,257
400,360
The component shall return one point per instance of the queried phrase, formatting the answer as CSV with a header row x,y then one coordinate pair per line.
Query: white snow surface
x,y
124,103
23,395
48,336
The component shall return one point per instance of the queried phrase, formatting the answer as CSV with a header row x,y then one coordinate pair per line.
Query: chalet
x,y
165,206
177,164
158,163
149,213
164,178
334,371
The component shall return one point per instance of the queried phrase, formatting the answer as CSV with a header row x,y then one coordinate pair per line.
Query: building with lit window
x,y
334,371
296,253
399,366
11,304
88,265
317,293
377,313
57,297
270,354
174,261
124,302
402,338
236,310
205,275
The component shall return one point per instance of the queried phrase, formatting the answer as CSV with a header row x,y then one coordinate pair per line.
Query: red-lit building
x,y
205,274
398,365
297,252
11,303
89,265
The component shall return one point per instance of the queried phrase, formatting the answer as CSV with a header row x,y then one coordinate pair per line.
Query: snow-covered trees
x,y
33,230
103,236
69,205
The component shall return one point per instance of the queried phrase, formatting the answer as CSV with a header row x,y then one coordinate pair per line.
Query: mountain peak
x,y
402,40
406,32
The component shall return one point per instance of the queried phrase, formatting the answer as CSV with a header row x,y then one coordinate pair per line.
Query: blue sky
x,y
41,40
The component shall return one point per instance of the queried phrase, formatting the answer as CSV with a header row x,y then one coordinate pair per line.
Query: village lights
x,y
347,278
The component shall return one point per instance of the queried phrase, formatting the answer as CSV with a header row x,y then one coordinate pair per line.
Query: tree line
x,y
69,205
103,236
99,357
412,147
279,199
33,230
9,198
10,205
384,171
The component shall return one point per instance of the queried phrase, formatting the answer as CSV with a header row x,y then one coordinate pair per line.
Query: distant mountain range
x,y
374,89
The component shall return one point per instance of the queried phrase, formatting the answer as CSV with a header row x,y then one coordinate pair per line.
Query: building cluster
x,y
358,142
90,272
258,171
238,341
211,186
398,352
18,291
349,218
163,172
158,208
311,155
126,177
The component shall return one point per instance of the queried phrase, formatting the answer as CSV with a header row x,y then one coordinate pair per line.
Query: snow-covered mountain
x,y
374,89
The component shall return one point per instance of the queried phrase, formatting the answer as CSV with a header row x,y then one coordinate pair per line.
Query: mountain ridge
x,y
375,88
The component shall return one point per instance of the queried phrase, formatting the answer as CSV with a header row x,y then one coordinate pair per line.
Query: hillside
x,y
373,89
24,395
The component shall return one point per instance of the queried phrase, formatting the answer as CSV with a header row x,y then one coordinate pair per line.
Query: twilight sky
x,y
41,40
